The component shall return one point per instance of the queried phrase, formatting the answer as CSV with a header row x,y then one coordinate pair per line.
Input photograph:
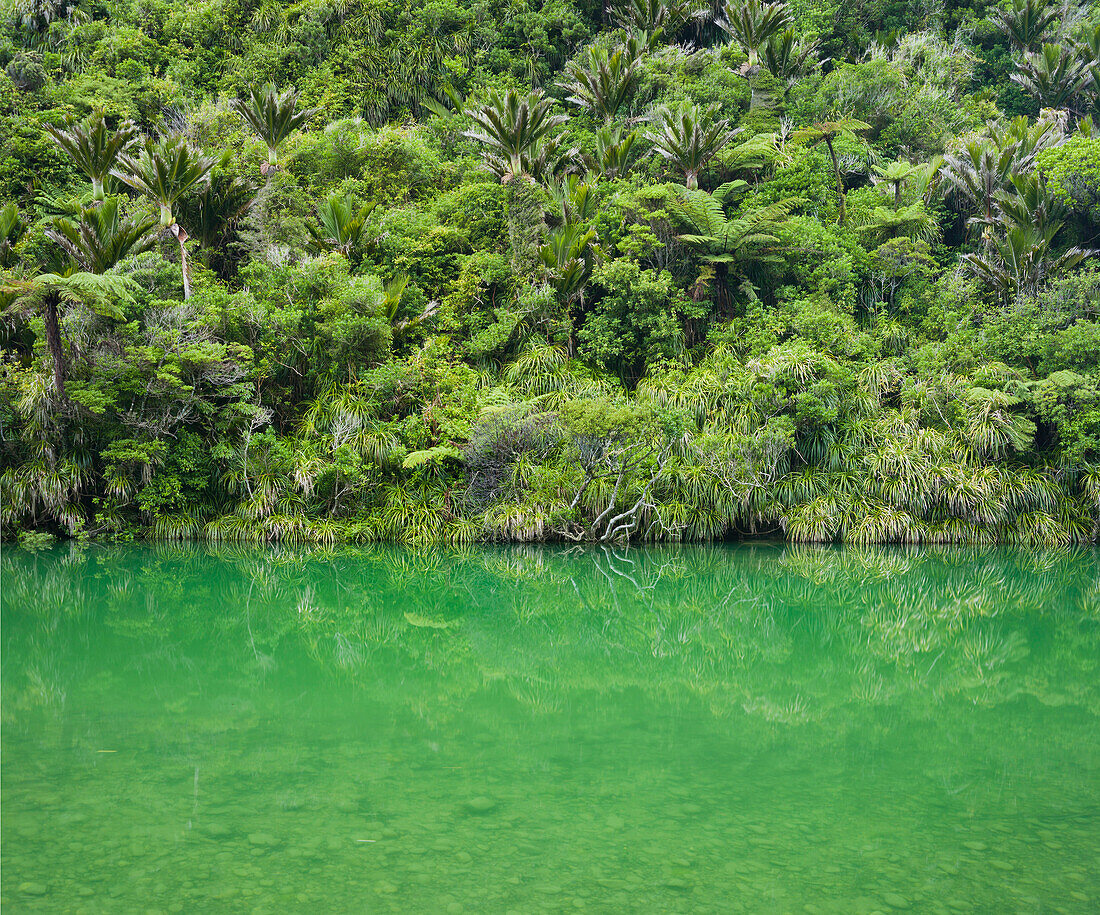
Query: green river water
x,y
693,729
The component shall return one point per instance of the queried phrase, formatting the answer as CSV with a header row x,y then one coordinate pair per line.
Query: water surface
x,y
693,729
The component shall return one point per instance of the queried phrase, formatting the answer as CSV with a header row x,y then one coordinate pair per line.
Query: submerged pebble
x,y
262,839
480,804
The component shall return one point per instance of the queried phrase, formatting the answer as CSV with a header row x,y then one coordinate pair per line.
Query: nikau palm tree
x,y
689,137
787,59
613,147
656,18
12,229
102,237
213,214
1029,202
1021,262
573,200
516,132
1088,52
752,24
164,171
1054,76
274,116
977,173
93,147
569,257
342,223
603,82
1026,21
1023,141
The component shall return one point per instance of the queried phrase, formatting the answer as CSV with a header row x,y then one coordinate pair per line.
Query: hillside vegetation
x,y
466,269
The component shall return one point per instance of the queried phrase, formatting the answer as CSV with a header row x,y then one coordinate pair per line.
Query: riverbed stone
x,y
262,839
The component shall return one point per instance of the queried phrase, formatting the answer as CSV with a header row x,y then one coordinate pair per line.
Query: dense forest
x,y
550,269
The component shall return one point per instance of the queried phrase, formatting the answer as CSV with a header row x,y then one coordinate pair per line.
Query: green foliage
x,y
1025,22
688,137
273,115
516,133
164,170
341,223
443,291
603,83
93,147
753,24
102,237
637,320
1072,172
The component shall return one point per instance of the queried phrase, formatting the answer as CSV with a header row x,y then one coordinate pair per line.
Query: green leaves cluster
x,y
460,272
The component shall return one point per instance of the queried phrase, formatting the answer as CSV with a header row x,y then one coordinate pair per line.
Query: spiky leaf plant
x,y
164,170
94,147
689,136
102,237
273,115
517,133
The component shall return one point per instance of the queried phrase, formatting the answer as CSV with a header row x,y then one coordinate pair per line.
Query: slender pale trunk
x,y
53,341
98,194
272,165
181,236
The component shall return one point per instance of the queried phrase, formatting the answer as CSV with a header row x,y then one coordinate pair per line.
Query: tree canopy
x,y
640,270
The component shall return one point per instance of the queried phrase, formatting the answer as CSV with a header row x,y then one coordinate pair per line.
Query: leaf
x,y
436,455
425,622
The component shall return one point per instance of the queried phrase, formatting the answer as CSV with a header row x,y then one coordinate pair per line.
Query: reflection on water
x,y
535,729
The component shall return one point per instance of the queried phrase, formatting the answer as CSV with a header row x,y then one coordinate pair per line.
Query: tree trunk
x,y
525,224
722,288
181,236
839,180
764,89
53,341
